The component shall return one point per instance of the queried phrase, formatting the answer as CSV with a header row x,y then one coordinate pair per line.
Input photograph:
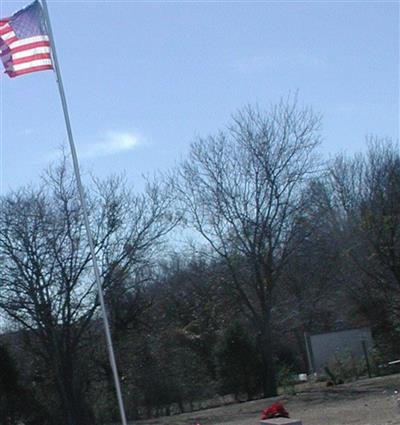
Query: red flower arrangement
x,y
275,411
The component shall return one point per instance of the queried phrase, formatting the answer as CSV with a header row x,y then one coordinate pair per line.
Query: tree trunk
x,y
299,336
75,410
268,377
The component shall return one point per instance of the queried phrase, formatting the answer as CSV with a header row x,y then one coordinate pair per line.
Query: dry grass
x,y
365,402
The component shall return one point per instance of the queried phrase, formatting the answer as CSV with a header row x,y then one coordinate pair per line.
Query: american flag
x,y
24,43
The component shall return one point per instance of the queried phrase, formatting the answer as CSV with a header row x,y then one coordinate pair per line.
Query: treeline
x,y
283,242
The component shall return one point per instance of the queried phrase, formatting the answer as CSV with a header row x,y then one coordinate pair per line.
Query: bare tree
x,y
242,190
47,285
365,195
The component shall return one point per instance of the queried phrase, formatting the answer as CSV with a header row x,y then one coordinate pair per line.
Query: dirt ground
x,y
365,402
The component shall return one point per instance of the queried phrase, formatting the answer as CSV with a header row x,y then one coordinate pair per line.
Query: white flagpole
x,y
85,216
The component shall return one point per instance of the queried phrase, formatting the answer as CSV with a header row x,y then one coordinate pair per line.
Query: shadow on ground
x,y
364,402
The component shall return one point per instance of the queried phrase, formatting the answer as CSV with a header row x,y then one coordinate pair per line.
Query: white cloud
x,y
253,64
346,108
111,143
26,132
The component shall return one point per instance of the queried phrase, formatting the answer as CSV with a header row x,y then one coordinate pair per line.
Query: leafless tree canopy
x,y
290,245
365,194
242,190
47,284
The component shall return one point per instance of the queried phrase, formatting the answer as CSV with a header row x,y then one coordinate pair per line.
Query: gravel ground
x,y
365,402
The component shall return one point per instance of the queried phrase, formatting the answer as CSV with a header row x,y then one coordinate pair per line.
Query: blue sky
x,y
144,79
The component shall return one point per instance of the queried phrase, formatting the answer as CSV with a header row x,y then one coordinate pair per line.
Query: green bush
x,y
285,378
238,365
17,403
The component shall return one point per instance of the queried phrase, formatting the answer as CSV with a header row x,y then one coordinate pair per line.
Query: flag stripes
x,y
21,55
